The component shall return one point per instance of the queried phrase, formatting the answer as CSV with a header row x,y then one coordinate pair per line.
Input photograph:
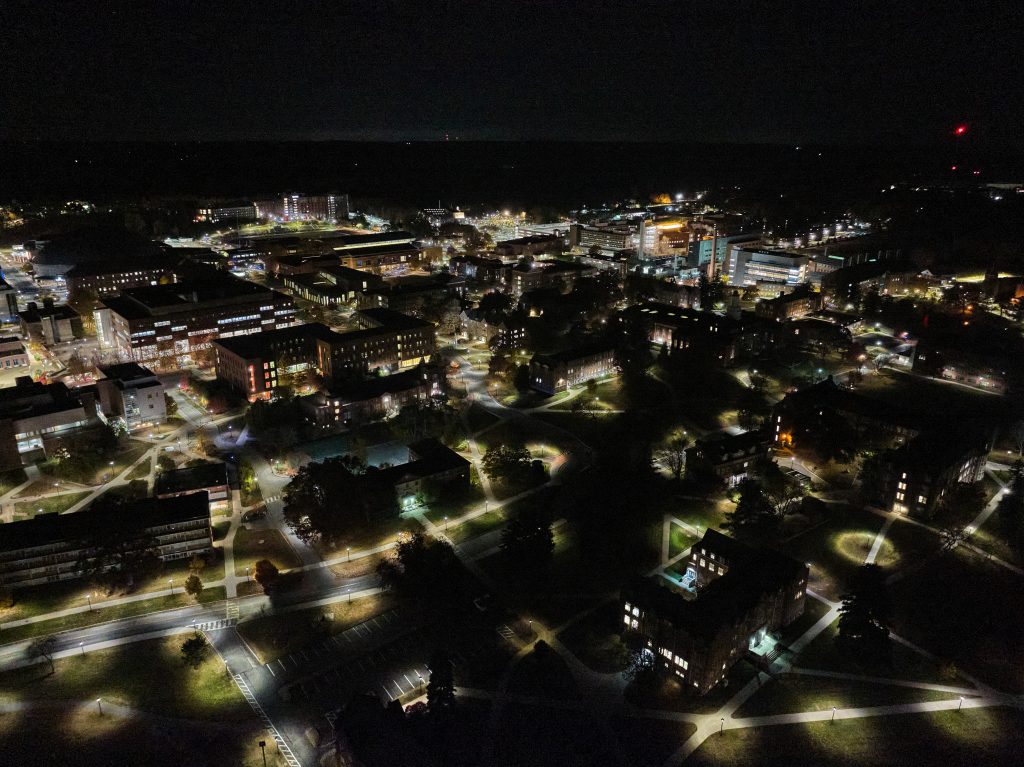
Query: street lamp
x,y
89,597
833,713
247,573
349,550
961,704
170,585
81,646
446,524
721,730
99,705
349,596
420,677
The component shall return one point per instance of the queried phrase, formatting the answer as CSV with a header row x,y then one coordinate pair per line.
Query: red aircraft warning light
x,y
960,130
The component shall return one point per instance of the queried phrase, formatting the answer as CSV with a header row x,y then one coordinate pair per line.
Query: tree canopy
x,y
335,498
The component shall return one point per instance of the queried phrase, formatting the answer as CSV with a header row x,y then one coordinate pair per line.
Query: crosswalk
x,y
223,623
282,746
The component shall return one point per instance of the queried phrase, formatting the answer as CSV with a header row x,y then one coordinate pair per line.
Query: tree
x,y
194,586
527,540
119,558
753,516
441,687
194,650
336,498
1017,433
42,647
266,574
165,463
423,568
673,455
781,491
865,614
871,479
642,669
966,498
507,462
711,291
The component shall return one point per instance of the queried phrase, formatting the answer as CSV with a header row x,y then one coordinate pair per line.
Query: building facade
x,y
732,600
54,547
175,325
132,393
552,373
34,413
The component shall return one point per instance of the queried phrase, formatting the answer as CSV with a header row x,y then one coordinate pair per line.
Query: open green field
x,y
823,655
53,504
993,736
148,676
78,735
250,546
273,636
968,611
596,641
931,396
792,693
838,543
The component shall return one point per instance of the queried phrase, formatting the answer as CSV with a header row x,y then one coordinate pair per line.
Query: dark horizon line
x,y
405,142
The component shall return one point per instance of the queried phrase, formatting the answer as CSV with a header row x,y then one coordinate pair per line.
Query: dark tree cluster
x,y
336,498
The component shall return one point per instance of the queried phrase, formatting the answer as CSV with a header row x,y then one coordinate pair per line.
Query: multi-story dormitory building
x,y
251,364
736,598
54,547
354,402
110,278
171,324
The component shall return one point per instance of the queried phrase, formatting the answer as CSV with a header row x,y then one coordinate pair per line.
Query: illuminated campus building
x,y
732,602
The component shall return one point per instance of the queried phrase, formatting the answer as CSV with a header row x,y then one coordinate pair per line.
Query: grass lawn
x,y
792,693
111,613
589,429
10,479
822,654
127,675
838,544
140,472
595,639
80,736
992,737
926,395
478,419
649,742
679,540
484,523
53,504
386,532
572,585
966,610
672,695
250,546
542,736
273,636
36,600
699,513
220,529
437,510
543,674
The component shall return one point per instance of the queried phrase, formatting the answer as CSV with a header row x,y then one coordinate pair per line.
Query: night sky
x,y
825,71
